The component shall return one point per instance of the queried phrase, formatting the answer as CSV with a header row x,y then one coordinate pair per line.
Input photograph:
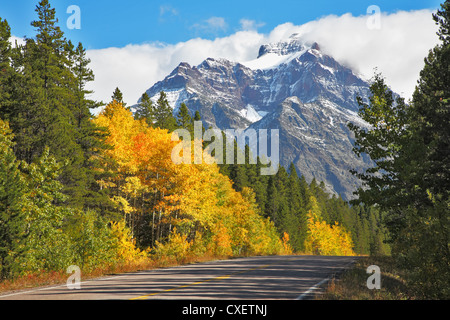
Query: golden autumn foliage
x,y
192,209
178,246
126,245
286,247
325,239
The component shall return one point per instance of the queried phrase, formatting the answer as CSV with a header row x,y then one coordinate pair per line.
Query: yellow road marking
x,y
199,282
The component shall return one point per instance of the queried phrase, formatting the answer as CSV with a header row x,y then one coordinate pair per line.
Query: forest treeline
x,y
78,189
410,181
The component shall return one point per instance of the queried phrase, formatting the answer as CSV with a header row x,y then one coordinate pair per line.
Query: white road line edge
x,y
314,287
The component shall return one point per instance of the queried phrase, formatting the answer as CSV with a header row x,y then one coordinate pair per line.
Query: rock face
x,y
291,86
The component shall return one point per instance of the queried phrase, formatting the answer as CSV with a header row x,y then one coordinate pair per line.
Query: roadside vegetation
x,y
410,182
352,283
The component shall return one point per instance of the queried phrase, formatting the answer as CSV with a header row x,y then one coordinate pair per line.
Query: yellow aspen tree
x,y
325,239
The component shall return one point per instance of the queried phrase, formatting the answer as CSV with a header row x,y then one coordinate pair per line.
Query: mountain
x,y
291,86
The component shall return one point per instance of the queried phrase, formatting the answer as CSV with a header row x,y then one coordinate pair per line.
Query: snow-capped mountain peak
x,y
273,55
292,86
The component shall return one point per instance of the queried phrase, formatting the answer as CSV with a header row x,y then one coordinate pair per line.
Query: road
x,y
270,277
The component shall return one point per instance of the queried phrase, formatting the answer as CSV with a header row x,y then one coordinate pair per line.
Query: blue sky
x,y
118,23
133,44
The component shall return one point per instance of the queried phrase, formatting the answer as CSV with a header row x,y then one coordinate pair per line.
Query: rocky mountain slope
x,y
291,86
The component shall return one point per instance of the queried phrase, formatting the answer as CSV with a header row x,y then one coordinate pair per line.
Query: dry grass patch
x,y
352,284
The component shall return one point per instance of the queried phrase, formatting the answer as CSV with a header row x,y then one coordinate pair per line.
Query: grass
x,y
352,284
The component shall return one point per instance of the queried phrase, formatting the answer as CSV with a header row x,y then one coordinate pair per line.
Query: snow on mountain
x,y
251,114
291,86
275,54
174,97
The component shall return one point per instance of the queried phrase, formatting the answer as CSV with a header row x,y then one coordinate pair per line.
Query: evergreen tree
x,y
184,120
118,96
145,110
164,118
276,205
294,191
426,168
51,114
197,116
47,104
259,185
431,112
239,176
410,181
5,64
386,143
297,224
271,206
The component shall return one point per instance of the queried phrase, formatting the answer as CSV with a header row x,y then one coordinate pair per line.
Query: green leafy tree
x,y
384,143
12,197
31,237
43,245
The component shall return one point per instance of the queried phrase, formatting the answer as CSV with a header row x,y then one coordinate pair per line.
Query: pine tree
x,y
297,225
118,96
145,110
50,118
5,65
197,116
426,168
164,118
83,75
410,181
431,111
90,137
47,104
277,205
184,120
239,176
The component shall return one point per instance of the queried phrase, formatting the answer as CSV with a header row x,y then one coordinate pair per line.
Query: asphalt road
x,y
271,277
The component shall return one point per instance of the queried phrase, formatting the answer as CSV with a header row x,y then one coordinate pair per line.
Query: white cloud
x,y
248,25
397,49
167,9
217,23
135,68
13,40
213,26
